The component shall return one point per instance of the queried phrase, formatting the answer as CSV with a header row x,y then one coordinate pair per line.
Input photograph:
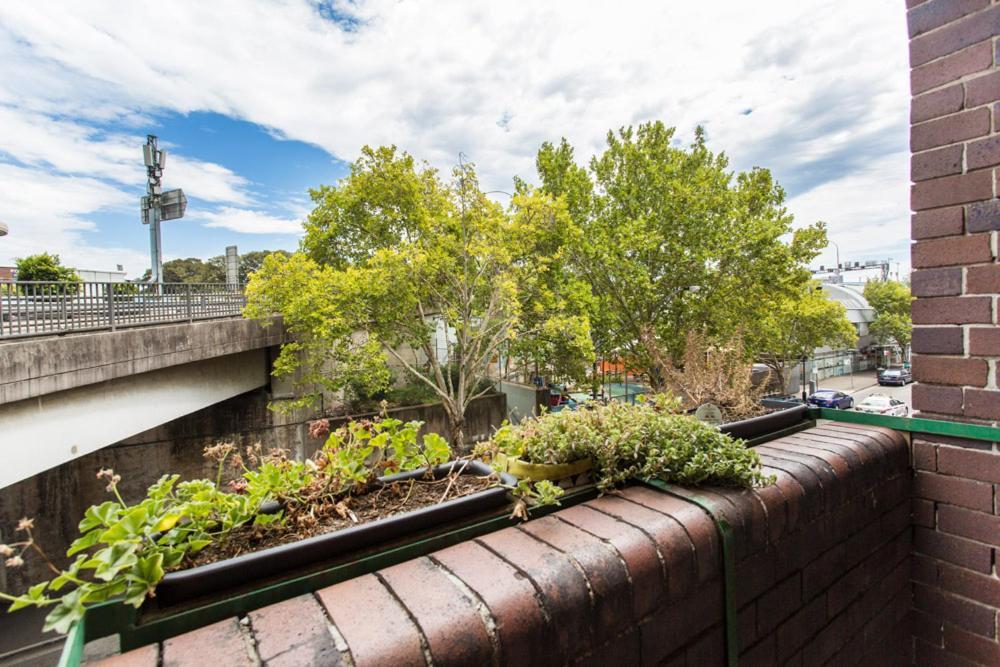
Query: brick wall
x,y
955,144
823,574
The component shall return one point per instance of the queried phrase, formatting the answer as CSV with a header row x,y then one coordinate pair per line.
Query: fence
x,y
40,308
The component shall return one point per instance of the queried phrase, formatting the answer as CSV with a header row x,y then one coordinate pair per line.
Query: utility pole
x,y
158,206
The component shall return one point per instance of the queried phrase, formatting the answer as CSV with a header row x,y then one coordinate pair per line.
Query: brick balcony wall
x,y
823,575
955,145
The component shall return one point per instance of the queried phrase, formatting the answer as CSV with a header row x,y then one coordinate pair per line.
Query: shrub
x,y
644,440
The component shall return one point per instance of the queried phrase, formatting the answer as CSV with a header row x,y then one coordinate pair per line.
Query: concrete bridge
x,y
64,397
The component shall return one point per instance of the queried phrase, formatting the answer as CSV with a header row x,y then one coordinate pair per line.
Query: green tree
x,y
190,270
672,241
44,267
890,300
799,325
396,262
253,260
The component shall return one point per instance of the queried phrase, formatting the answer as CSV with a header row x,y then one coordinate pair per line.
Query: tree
x,y
212,270
672,242
393,255
253,260
798,326
44,267
190,270
890,300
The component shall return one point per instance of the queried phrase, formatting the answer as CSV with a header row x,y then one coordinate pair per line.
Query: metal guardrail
x,y
43,308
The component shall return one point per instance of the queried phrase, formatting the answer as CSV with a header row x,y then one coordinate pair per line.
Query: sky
x,y
258,101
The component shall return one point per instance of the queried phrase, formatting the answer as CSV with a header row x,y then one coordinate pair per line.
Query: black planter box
x,y
196,582
786,416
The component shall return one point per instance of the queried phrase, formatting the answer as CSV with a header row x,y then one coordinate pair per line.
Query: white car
x,y
881,404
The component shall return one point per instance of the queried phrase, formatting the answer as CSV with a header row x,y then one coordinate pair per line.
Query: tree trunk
x,y
457,435
456,425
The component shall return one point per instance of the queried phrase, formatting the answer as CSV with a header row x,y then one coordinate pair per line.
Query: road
x,y
864,384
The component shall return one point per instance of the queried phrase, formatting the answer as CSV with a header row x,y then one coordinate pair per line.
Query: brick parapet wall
x,y
955,144
636,577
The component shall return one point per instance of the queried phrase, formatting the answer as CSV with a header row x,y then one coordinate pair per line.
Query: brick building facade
x,y
955,145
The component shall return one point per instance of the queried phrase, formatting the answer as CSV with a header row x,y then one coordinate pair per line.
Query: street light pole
x,y
158,206
805,395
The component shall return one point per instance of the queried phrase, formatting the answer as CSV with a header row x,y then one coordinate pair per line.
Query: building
x,y
828,362
95,276
7,274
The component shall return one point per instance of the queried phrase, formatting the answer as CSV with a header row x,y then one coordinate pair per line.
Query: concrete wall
x,y
34,367
47,431
57,498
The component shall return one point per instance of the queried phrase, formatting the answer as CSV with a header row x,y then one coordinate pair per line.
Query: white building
x,y
95,276
828,362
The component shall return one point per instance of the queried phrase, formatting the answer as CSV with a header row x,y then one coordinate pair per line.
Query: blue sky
x,y
258,101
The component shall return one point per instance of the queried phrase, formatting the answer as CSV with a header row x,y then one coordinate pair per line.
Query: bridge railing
x,y
33,308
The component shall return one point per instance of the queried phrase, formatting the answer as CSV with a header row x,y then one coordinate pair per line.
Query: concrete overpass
x,y
67,396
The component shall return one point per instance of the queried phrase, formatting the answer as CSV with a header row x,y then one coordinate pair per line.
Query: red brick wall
x,y
955,144
823,574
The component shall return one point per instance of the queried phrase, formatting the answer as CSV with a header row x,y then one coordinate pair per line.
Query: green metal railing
x,y
910,424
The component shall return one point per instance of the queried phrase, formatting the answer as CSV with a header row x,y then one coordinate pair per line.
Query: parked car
x,y
828,398
881,404
896,376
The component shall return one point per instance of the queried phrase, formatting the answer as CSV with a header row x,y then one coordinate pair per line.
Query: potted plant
x,y
371,481
620,441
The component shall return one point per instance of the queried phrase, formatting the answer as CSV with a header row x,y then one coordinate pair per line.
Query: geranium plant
x,y
125,549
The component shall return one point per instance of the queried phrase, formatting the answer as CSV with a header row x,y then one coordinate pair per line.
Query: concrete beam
x,y
35,367
44,432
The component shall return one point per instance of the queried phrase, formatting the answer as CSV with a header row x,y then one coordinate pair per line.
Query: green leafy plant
x,y
646,440
124,550
538,494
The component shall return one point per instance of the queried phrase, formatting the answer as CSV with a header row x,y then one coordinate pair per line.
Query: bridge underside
x,y
43,432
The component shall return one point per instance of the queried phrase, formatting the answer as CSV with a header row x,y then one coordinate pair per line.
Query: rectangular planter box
x,y
771,424
197,582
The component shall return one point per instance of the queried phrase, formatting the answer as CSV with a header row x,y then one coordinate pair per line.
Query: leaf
x,y
63,616
100,515
33,598
198,545
129,526
85,542
167,522
114,559
436,449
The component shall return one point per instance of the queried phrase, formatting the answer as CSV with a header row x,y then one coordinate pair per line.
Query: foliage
x,y
645,440
541,493
799,325
44,267
212,270
890,300
124,550
397,262
657,221
714,372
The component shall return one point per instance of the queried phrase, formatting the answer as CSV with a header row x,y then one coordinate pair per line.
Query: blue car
x,y
828,398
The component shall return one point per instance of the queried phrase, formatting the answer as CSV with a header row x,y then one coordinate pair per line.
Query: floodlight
x,y
173,203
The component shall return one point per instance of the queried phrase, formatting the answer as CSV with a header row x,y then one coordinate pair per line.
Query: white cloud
x,y
248,221
863,211
816,89
74,148
46,213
